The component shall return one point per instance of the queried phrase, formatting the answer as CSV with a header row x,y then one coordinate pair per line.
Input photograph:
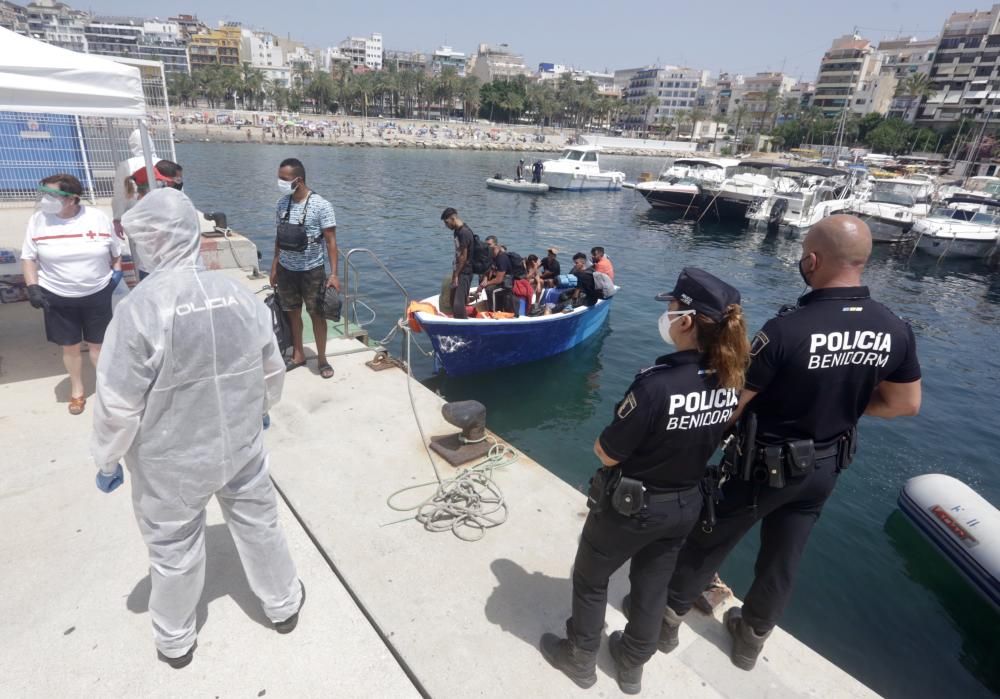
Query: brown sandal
x,y
76,405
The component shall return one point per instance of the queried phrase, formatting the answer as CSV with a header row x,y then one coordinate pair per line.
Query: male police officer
x,y
815,369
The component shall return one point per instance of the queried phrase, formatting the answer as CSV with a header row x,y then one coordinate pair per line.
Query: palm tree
x,y
468,91
917,87
648,102
740,113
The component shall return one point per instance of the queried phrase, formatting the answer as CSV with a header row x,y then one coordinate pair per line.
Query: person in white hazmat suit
x,y
189,369
121,198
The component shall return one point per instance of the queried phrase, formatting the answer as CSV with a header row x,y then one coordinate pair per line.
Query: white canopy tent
x,y
38,77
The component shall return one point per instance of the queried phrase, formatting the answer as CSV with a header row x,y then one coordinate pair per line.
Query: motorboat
x,y
680,187
747,183
806,195
961,524
474,345
507,184
578,169
967,227
890,206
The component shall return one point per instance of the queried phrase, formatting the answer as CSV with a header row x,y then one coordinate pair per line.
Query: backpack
x,y
280,324
481,257
517,265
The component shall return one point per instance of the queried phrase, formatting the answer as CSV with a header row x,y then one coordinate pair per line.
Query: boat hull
x,y
464,347
514,186
886,230
680,201
956,247
961,524
583,182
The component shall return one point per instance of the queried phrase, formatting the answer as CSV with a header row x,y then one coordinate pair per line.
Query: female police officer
x,y
646,499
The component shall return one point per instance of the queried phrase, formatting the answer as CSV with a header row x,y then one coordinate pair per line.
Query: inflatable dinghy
x,y
961,524
515,186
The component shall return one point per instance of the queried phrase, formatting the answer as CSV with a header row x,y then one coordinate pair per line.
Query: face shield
x,y
165,229
51,200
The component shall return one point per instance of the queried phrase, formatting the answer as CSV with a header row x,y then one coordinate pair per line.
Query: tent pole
x,y
86,161
147,153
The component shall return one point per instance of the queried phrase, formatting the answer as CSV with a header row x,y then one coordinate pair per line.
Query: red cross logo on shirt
x,y
90,234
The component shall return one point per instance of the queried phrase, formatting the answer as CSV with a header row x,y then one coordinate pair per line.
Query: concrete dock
x,y
393,610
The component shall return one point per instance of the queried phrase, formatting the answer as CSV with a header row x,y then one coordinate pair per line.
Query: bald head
x,y
835,250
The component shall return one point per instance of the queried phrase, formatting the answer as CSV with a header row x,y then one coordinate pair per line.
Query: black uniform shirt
x,y
815,366
550,267
670,422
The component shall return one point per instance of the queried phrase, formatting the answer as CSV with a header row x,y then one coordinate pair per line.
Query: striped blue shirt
x,y
318,217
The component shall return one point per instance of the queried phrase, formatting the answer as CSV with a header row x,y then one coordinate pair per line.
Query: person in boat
x,y
499,280
190,369
520,170
816,369
461,271
550,267
601,262
586,286
533,276
71,261
536,172
646,498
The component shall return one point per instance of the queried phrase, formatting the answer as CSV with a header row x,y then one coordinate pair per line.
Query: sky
x,y
733,35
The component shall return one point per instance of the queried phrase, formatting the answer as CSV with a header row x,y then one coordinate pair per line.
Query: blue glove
x,y
267,420
108,483
116,276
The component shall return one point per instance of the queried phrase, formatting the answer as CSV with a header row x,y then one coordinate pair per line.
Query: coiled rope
x,y
466,504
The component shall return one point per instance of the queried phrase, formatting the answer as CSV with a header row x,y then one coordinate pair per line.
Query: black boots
x,y
629,677
668,630
577,664
747,643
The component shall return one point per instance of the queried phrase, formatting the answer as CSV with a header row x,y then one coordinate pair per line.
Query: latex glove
x,y
108,482
116,277
267,420
36,297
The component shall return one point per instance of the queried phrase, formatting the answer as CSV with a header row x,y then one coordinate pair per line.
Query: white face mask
x,y
50,204
285,187
666,321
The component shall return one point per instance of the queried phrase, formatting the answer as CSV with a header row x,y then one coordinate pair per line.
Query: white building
x,y
134,37
676,89
446,57
605,82
331,57
58,24
363,52
492,62
262,50
296,54
905,57
849,64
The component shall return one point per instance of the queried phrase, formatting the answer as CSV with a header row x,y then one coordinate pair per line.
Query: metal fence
x,y
36,145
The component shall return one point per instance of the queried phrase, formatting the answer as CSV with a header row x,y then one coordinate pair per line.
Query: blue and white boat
x,y
578,169
475,345
961,523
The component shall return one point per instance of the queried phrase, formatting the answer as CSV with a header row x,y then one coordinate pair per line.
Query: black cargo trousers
x,y
789,515
652,539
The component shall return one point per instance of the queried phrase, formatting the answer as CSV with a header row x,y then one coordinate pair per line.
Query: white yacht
x,y
890,206
805,195
747,184
578,169
680,186
962,228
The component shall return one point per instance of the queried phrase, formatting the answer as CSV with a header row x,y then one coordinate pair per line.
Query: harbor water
x,y
871,596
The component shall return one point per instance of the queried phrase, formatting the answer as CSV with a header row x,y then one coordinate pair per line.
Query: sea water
x,y
871,595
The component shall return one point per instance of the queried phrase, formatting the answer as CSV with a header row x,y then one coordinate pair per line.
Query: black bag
x,y
602,485
518,270
629,497
280,324
292,237
481,257
330,304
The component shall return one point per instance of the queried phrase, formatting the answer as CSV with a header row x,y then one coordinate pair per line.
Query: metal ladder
x,y
353,297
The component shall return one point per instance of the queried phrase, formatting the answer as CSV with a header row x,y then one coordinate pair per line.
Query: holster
x,y
628,497
848,449
800,457
602,485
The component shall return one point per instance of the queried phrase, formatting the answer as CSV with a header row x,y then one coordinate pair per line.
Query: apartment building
x,y
13,17
134,37
497,61
849,64
58,24
446,57
216,47
964,70
904,57
676,88
763,95
189,25
363,52
406,60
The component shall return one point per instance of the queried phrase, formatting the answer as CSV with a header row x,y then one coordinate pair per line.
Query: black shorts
x,y
296,288
69,320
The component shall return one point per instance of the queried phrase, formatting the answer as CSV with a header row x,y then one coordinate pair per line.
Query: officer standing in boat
x,y
816,368
646,498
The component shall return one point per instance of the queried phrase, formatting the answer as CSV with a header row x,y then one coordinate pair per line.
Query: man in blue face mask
x,y
306,238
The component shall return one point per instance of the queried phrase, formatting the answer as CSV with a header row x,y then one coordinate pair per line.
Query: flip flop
x,y
290,365
323,371
76,404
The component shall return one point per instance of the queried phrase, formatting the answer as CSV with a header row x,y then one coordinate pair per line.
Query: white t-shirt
x,y
73,254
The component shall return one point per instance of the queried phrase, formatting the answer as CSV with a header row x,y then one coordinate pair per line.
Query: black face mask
x,y
803,274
